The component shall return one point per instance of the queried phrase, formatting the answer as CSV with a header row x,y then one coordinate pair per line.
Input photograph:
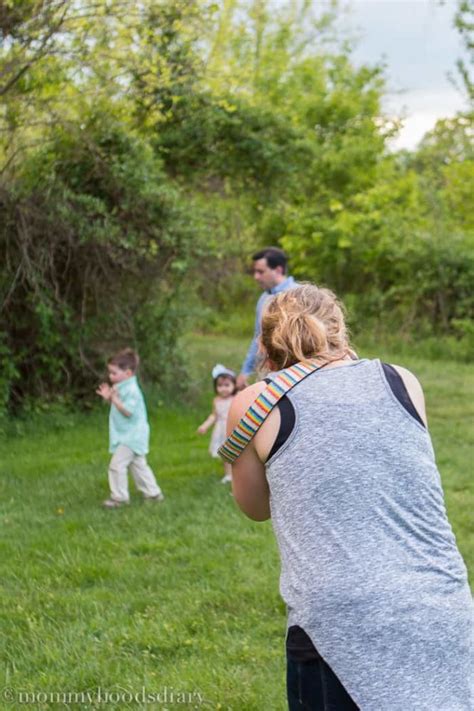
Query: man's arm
x,y
248,366
250,361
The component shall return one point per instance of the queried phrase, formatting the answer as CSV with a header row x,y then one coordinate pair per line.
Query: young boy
x,y
129,431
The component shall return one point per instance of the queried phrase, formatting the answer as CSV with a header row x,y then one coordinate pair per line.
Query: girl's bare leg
x,y
227,473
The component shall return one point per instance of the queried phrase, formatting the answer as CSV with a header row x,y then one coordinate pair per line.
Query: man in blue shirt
x,y
269,270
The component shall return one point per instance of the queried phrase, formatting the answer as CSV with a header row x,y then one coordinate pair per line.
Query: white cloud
x,y
414,128
419,112
419,46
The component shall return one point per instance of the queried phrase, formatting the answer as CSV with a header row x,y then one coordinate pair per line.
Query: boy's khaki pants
x,y
123,459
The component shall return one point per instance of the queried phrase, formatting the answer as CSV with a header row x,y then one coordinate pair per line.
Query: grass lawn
x,y
179,599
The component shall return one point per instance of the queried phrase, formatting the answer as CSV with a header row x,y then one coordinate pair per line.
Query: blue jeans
x,y
312,686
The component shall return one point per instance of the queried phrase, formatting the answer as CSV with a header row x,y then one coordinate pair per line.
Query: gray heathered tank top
x,y
370,566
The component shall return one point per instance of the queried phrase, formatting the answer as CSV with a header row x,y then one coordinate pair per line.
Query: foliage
x,y
401,249
93,234
146,149
464,23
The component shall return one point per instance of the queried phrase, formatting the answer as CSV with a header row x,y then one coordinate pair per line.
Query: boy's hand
x,y
105,391
202,429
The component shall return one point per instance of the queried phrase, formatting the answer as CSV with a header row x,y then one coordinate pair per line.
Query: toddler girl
x,y
225,388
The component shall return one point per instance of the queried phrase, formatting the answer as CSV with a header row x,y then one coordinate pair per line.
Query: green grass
x,y
182,596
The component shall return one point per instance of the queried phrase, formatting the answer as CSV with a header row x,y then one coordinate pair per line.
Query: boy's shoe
x,y
226,479
154,499
114,504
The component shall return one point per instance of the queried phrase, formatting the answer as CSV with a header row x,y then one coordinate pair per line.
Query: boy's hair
x,y
127,359
275,257
227,376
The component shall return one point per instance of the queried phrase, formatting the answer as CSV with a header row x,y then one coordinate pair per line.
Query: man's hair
x,y
127,359
275,257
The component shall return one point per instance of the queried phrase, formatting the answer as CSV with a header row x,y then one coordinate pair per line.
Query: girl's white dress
x,y
222,407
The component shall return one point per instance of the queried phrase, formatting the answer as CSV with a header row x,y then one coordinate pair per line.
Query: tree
x,y
464,23
95,245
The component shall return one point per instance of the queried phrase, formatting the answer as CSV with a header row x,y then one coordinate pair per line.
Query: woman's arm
x,y
249,483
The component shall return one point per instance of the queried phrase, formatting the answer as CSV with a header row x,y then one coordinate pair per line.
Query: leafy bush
x,y
95,244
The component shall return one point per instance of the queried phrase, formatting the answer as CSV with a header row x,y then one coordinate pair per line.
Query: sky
x,y
419,46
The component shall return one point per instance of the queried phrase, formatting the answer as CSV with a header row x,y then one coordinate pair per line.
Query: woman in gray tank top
x,y
379,609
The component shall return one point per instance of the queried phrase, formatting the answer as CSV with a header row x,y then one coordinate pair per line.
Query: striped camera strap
x,y
258,412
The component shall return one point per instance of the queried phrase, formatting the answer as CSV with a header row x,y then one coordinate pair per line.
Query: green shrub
x,y
96,244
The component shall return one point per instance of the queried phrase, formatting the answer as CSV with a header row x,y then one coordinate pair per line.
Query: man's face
x,y
265,275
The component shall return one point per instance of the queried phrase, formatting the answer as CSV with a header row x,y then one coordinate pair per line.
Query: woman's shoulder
x,y
413,388
404,372
243,399
410,380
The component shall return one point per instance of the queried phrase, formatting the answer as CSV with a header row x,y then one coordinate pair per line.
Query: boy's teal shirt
x,y
133,431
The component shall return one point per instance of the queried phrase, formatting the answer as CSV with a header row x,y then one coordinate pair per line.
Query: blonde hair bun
x,y
304,322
